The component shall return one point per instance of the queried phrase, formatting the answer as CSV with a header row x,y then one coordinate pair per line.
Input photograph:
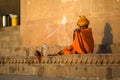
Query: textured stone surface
x,y
86,72
56,28
10,41
29,51
10,37
98,66
31,77
64,59
53,22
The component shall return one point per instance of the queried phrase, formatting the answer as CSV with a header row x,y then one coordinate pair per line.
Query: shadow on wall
x,y
106,41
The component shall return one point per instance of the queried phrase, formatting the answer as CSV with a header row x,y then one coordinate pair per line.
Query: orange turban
x,y
83,21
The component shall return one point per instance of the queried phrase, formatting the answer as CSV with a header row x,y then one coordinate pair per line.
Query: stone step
x,y
29,51
101,59
84,67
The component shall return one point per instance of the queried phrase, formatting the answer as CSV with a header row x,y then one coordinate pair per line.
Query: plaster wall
x,y
53,21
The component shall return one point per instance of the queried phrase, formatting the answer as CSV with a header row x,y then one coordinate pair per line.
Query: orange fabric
x,y
83,42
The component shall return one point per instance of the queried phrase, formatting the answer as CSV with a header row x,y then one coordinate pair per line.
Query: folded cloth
x,y
83,42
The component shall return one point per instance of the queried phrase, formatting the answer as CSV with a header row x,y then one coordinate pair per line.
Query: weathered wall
x,y
74,72
10,42
53,21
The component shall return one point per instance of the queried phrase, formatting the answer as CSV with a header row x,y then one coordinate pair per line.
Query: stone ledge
x,y
72,71
64,59
10,28
29,51
85,67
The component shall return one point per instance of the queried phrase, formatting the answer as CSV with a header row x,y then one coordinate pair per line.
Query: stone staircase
x,y
88,66
101,59
15,59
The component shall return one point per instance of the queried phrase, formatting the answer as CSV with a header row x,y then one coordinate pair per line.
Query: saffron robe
x,y
82,42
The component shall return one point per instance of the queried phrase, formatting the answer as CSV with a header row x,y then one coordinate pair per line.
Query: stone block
x,y
4,51
21,51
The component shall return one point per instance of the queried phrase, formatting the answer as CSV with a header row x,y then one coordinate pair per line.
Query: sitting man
x,y
83,41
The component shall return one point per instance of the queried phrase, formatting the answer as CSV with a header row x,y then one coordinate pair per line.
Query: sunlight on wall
x,y
118,0
64,20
